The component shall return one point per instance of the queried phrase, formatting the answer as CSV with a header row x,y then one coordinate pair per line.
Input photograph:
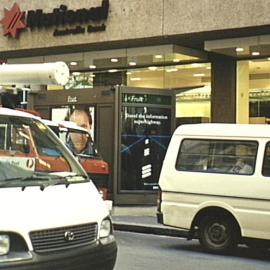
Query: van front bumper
x,y
97,257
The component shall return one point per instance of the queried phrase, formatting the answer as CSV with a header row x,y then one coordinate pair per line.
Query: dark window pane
x,y
266,161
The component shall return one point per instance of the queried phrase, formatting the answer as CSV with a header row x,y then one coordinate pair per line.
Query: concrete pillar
x,y
242,93
223,93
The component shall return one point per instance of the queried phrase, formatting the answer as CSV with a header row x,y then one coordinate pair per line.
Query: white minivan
x,y
52,216
215,184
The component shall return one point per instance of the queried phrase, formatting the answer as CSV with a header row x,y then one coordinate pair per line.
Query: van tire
x,y
217,234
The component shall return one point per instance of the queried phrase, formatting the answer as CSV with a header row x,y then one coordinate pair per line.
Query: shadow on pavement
x,y
241,251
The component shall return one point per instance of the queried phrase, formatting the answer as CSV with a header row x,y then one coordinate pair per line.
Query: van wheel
x,y
217,234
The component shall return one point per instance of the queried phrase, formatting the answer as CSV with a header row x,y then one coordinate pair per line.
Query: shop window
x,y
3,137
253,91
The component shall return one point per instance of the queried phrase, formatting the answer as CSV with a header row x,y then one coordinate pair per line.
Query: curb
x,y
141,228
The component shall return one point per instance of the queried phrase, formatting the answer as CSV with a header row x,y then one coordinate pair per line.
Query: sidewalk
x,y
141,220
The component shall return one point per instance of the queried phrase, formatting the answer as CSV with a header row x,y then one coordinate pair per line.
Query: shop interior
x,y
186,71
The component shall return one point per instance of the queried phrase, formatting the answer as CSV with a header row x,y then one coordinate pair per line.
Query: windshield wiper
x,y
31,181
42,180
35,180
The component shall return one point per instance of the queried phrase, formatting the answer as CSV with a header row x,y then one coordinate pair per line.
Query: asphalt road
x,y
144,251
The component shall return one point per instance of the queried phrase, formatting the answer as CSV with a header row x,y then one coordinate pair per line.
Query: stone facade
x,y
139,19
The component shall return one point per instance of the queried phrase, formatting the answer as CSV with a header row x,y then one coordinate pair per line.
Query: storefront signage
x,y
146,99
13,21
146,118
73,21
72,99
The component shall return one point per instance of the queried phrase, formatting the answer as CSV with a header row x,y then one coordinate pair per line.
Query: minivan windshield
x,y
31,154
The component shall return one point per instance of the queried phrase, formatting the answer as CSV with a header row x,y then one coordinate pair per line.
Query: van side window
x,y
217,156
44,146
266,161
20,138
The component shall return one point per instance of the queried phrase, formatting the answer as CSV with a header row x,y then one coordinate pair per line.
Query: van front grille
x,y
64,237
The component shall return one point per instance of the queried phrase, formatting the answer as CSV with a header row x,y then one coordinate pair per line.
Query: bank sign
x,y
63,20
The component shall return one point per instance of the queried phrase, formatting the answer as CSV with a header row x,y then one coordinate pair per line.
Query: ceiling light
x,y
135,79
92,66
255,53
239,49
171,69
113,70
76,73
73,63
128,72
158,56
152,68
196,65
114,60
132,63
199,75
176,60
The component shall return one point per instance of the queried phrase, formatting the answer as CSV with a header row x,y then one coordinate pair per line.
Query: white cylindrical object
x,y
45,73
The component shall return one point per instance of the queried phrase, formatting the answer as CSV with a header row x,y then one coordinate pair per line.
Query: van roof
x,y
13,112
224,130
49,122
63,124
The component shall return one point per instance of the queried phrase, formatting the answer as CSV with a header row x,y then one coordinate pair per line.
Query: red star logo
x,y
13,22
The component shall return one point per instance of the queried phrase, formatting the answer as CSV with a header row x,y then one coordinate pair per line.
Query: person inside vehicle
x,y
81,142
241,167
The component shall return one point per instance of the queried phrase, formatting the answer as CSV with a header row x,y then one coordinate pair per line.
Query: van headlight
x,y
105,228
4,244
106,232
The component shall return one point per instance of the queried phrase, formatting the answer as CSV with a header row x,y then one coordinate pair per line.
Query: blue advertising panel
x,y
145,135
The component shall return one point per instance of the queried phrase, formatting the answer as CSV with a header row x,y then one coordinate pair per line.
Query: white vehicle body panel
x,y
56,206
246,197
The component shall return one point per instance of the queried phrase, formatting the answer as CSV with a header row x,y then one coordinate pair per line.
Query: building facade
x,y
142,68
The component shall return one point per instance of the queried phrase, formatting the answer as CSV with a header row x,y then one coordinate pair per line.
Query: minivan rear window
x,y
217,156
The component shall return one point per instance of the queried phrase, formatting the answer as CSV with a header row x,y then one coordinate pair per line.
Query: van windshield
x,y
30,152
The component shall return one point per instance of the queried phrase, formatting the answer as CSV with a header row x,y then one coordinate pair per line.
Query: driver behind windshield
x,y
81,142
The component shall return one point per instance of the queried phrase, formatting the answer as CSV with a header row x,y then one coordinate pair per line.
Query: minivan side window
x,y
217,156
266,161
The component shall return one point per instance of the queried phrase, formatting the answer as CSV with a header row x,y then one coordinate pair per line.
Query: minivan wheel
x,y
217,234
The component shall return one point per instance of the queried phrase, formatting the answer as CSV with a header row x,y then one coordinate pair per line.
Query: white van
x,y
52,216
215,183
